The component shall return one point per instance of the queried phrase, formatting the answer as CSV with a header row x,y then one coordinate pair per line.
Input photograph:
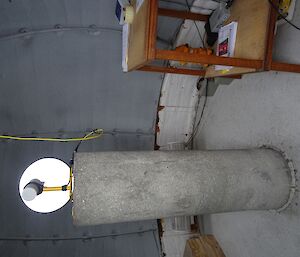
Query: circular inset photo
x,y
46,172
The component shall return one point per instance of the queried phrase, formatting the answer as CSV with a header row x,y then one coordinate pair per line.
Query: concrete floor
x,y
259,109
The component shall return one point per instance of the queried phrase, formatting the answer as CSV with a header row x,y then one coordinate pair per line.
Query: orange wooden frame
x,y
158,54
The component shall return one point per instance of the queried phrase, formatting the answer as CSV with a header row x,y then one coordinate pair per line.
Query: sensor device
x,y
43,173
124,12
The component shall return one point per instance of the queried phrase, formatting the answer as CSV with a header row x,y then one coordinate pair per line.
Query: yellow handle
x,y
60,188
68,187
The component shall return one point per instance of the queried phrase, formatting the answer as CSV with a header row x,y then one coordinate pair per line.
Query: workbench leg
x,y
174,70
269,64
270,36
172,55
151,50
287,67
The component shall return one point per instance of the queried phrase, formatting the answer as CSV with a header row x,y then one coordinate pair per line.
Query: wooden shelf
x,y
253,50
252,18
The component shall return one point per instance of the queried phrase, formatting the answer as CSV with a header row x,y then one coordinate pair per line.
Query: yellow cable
x,y
98,133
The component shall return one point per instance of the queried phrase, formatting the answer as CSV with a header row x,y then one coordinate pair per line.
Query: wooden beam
x,y
287,67
232,76
152,29
175,70
182,14
270,36
207,59
172,70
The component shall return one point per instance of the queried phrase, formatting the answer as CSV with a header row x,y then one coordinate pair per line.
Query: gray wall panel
x,y
61,82
16,220
75,79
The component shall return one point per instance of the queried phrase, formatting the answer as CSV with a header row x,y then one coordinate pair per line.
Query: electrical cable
x,y
156,243
89,135
96,133
196,128
282,16
92,135
74,238
202,40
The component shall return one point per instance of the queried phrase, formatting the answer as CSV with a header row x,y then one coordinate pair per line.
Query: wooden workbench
x,y
252,18
253,50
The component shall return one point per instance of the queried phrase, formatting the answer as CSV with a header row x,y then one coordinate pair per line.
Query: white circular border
x,y
53,172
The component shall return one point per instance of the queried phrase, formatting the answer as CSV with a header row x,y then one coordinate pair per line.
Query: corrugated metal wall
x,y
64,82
16,220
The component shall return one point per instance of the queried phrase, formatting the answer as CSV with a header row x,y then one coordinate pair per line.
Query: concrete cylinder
x,y
112,187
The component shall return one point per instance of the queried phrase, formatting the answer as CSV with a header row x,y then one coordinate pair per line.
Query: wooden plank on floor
x,y
203,246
